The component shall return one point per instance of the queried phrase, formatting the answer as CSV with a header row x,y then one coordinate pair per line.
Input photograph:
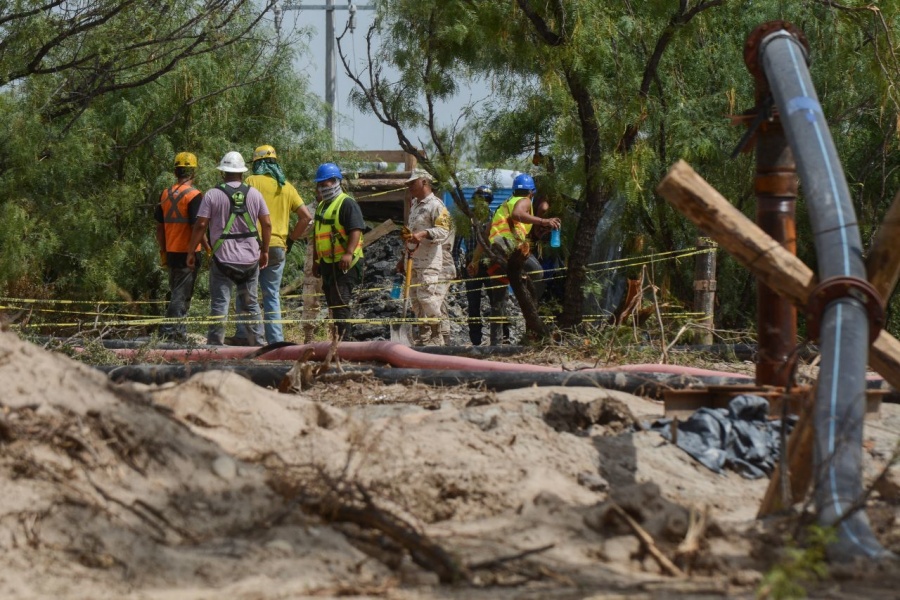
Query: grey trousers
x,y
181,286
246,306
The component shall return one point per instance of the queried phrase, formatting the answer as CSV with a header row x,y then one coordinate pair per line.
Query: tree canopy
x,y
100,96
607,95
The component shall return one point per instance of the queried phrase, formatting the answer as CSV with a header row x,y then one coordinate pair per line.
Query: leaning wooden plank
x,y
756,250
379,232
883,261
799,460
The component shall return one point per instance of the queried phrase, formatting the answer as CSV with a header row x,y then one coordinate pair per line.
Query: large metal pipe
x,y
775,185
843,316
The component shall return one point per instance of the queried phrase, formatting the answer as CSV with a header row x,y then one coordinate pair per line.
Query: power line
x,y
330,61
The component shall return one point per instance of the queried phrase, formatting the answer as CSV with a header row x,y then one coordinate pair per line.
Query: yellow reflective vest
x,y
502,225
331,237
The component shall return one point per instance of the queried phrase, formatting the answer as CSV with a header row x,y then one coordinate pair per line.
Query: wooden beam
x,y
750,245
379,232
883,262
381,184
756,250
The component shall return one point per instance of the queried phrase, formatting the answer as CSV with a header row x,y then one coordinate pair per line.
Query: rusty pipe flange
x,y
755,39
835,288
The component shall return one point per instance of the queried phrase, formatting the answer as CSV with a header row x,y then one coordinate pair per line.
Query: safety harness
x,y
238,198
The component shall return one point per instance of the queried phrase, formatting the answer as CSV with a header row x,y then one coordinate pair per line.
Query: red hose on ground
x,y
392,353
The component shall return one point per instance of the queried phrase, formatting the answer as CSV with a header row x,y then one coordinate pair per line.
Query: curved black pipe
x,y
726,351
639,383
844,339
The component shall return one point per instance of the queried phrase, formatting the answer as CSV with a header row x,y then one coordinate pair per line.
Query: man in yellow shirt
x,y
282,199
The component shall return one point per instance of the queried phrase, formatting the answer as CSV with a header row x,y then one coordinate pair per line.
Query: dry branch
x,y
345,502
691,545
647,543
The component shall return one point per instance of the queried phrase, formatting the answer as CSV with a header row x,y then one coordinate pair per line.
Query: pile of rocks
x,y
375,307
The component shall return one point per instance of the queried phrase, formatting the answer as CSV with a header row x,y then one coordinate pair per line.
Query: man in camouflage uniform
x,y
429,228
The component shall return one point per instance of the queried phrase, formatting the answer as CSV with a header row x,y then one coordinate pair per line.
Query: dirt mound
x,y
216,487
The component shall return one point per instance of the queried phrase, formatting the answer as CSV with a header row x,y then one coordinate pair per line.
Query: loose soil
x,y
216,488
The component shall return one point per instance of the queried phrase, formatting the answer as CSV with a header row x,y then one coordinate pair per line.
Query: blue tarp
x,y
741,437
501,195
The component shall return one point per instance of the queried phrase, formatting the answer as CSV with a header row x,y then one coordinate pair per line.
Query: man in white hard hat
x,y
429,228
282,200
231,211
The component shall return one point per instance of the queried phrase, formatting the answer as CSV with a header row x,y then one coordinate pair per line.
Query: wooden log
x,y
883,261
750,245
765,257
705,290
382,183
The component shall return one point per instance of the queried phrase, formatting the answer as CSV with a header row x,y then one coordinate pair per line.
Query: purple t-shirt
x,y
216,207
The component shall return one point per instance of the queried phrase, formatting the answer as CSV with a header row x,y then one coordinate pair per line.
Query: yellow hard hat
x,y
185,159
264,152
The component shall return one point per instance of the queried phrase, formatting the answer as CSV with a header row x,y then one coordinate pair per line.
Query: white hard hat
x,y
232,162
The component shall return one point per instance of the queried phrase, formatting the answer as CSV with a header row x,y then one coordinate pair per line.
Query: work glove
x,y
406,234
163,259
290,244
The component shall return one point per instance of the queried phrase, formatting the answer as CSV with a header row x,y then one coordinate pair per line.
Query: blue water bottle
x,y
397,289
554,238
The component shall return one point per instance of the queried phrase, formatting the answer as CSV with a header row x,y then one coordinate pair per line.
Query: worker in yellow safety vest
x,y
338,245
510,227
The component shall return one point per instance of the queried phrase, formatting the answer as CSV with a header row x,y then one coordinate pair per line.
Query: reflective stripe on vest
x,y
331,237
238,199
175,203
502,225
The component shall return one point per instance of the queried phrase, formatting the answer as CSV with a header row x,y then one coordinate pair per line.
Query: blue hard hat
x,y
328,171
523,181
485,192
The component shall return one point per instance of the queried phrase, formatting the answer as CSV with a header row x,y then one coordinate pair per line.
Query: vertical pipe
x,y
705,289
844,322
330,69
775,185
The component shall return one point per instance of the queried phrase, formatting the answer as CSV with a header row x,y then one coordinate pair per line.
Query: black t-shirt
x,y
350,215
178,260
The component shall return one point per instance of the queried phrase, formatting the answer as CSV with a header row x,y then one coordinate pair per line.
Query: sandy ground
x,y
216,488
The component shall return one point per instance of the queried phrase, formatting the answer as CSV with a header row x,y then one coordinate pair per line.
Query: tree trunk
x,y
595,201
525,295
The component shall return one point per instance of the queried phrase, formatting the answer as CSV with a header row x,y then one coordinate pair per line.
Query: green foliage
x,y
798,566
678,110
80,192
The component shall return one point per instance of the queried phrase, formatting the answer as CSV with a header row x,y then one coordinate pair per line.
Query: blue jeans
x,y
270,288
246,305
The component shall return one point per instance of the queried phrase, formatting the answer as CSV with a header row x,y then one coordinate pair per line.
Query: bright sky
x,y
362,131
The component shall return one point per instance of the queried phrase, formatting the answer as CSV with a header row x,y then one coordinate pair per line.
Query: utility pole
x,y
330,55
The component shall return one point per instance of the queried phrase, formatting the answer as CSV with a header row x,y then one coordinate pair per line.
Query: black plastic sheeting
x,y
740,437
